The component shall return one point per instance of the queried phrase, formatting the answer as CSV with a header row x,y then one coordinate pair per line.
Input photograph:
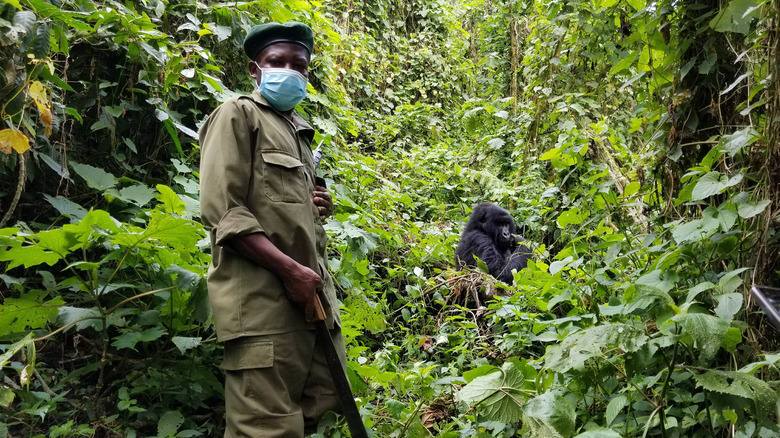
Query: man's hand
x,y
301,284
323,201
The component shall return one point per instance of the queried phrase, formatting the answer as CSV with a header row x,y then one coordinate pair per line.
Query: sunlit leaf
x,y
11,139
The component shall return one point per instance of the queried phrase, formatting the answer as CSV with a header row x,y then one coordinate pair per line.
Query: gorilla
x,y
489,235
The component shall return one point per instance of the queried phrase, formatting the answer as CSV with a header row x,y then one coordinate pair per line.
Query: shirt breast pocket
x,y
283,178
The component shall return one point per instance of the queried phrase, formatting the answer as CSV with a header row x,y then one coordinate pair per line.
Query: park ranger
x,y
264,214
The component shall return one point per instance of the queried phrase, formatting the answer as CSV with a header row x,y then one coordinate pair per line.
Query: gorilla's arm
x,y
517,261
481,245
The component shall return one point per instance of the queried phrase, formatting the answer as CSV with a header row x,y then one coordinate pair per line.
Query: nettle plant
x,y
99,303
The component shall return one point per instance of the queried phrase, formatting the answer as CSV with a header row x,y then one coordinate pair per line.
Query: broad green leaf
x,y
696,290
728,305
637,4
66,207
578,347
57,240
169,424
185,343
714,218
482,370
28,312
733,143
707,331
129,338
713,183
499,396
548,415
496,143
736,17
658,279
630,189
31,255
694,230
81,317
730,281
614,407
138,194
96,178
749,209
169,199
572,216
599,433
551,154
624,63
762,396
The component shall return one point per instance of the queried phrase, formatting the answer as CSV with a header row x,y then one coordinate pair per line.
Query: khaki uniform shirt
x,y
257,176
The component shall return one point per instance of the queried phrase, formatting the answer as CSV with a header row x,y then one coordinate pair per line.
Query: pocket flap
x,y
248,356
281,159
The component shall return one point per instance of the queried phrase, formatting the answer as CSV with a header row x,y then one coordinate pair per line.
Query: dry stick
x,y
19,189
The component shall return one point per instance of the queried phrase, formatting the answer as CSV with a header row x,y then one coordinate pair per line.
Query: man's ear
x,y
253,70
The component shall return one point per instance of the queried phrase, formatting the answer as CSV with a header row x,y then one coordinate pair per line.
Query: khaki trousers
x,y
278,386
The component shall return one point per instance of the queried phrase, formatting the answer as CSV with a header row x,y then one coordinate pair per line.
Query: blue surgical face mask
x,y
282,88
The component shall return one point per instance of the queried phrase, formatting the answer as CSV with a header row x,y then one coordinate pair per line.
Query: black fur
x,y
489,235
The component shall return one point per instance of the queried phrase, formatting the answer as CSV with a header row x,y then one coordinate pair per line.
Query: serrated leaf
x,y
138,194
87,318
707,332
28,312
169,199
739,384
129,338
496,143
57,240
185,343
499,396
31,255
583,345
96,178
169,424
548,415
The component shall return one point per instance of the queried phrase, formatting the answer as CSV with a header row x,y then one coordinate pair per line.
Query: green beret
x,y
263,35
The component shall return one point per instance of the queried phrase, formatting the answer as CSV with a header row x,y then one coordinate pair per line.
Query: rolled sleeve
x,y
237,221
226,173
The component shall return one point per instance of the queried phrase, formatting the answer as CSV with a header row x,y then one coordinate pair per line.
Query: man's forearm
x,y
258,248
300,282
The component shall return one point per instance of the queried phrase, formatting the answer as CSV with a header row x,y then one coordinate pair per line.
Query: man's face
x,y
281,55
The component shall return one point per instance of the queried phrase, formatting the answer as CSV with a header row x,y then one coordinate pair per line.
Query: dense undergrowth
x,y
635,143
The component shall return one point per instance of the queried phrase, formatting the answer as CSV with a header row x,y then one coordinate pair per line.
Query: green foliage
x,y
632,142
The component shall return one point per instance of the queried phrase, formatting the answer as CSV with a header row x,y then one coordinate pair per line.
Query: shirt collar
x,y
299,122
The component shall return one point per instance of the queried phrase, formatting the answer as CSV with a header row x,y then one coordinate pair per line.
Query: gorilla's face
x,y
501,231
